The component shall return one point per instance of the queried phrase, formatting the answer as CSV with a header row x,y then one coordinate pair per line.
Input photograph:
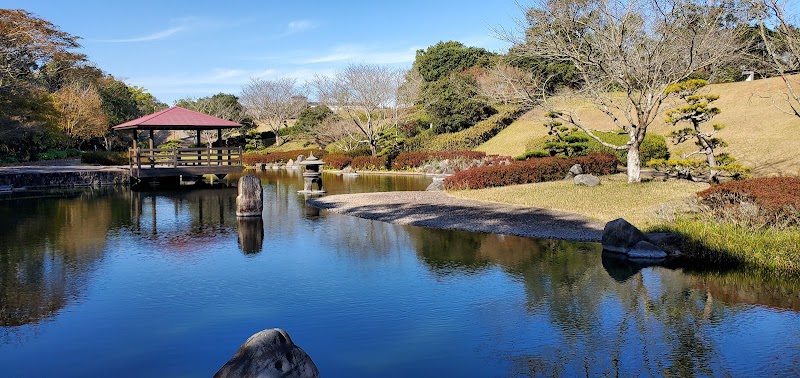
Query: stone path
x,y
438,210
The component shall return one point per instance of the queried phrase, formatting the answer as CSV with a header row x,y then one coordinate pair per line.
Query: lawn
x,y
644,204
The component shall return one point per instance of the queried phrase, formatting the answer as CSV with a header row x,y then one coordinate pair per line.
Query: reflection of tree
x,y
49,247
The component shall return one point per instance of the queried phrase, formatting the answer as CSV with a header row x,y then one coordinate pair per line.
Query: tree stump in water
x,y
250,201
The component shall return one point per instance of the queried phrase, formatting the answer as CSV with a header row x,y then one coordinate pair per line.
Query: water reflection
x,y
49,246
520,306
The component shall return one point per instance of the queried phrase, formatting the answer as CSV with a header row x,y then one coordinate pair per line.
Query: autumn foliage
x,y
772,201
279,157
530,171
369,163
337,161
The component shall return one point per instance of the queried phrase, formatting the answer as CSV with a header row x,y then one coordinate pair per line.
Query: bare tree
x,y
337,132
364,94
511,85
627,52
273,102
782,45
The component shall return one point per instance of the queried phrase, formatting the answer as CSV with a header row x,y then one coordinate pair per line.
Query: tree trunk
x,y
278,140
373,148
634,165
712,163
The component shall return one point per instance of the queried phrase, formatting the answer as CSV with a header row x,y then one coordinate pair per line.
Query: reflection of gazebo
x,y
174,162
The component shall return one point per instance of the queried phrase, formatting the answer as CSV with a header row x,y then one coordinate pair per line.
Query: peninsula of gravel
x,y
438,210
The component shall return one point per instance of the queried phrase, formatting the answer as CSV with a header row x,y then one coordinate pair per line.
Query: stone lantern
x,y
312,175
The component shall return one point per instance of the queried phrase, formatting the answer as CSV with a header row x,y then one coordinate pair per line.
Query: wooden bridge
x,y
175,162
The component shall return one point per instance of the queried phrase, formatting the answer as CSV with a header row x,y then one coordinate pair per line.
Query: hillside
x,y
758,133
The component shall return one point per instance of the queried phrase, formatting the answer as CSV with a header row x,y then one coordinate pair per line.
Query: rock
x,y
436,185
588,180
669,242
576,170
645,250
620,236
348,170
250,201
269,353
300,159
290,163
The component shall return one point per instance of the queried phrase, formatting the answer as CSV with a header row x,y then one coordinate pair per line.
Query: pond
x,y
114,282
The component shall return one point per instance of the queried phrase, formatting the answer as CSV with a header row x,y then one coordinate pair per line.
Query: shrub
x,y
654,146
410,160
337,161
279,157
369,163
474,136
772,201
529,171
173,143
105,158
54,154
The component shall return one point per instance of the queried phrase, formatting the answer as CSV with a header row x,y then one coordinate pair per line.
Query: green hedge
x,y
654,146
469,138
105,158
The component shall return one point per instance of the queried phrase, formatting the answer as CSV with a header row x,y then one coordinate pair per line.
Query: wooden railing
x,y
180,157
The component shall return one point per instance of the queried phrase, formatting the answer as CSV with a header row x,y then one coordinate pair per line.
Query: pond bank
x,y
24,177
438,210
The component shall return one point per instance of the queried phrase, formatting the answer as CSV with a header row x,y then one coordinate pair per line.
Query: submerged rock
x,y
269,353
619,236
250,201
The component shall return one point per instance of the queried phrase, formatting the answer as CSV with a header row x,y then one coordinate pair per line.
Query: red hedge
x,y
773,194
408,160
279,157
369,163
530,171
337,161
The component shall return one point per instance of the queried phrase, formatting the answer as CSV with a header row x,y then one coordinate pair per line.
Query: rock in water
x,y
588,180
250,201
436,185
620,236
644,250
269,353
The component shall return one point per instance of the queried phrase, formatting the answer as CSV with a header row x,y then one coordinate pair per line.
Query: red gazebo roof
x,y
177,118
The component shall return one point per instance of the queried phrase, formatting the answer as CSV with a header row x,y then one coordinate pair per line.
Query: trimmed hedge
x,y
472,137
654,146
105,158
279,157
369,163
410,160
530,171
773,201
337,161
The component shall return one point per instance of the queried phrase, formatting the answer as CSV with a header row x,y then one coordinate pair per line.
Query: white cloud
x,y
298,26
357,53
149,37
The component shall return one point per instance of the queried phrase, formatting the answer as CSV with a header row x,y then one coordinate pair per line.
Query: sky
x,y
177,49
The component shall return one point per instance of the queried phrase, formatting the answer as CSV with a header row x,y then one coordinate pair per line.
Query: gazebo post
x,y
219,145
199,152
151,142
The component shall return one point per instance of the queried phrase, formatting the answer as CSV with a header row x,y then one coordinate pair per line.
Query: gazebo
x,y
175,162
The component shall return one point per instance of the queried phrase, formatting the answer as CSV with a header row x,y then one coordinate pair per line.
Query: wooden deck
x,y
174,162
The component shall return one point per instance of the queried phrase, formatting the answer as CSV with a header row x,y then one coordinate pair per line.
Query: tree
x,y
220,105
782,45
81,113
29,43
312,116
455,103
697,112
441,59
273,102
627,52
365,94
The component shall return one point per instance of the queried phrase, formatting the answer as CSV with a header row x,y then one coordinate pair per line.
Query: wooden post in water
x,y
250,201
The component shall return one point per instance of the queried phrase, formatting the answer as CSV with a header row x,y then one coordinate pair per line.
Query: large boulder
x,y
269,353
587,180
574,171
620,236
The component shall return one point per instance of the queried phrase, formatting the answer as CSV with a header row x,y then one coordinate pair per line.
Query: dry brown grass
x,y
759,134
642,204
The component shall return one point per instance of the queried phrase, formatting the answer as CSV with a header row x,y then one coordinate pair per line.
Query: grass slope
x,y
758,133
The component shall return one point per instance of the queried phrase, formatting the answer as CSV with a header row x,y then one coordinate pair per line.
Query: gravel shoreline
x,y
438,210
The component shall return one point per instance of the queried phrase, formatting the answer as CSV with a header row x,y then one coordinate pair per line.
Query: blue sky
x,y
177,49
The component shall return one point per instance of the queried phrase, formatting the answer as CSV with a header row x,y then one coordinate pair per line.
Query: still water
x,y
118,283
